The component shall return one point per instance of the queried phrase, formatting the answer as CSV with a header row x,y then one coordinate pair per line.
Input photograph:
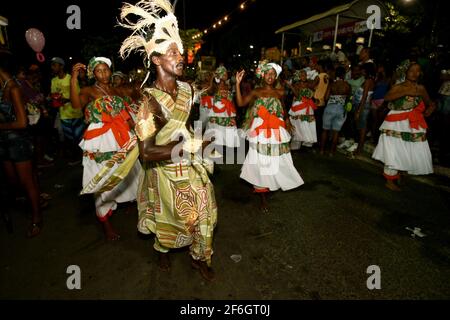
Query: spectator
x,y
334,115
16,148
363,98
71,119
119,79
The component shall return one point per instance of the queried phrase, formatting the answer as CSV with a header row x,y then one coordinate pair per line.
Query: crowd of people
x,y
128,139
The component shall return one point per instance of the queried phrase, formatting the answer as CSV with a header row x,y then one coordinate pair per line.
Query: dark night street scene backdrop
x,y
367,219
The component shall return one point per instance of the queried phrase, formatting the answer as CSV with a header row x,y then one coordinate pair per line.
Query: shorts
x,y
73,129
376,104
334,117
444,105
16,147
364,115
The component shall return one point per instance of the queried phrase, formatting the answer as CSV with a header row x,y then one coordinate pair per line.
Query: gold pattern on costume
x,y
146,128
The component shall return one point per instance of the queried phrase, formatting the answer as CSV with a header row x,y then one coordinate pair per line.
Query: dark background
x,y
255,25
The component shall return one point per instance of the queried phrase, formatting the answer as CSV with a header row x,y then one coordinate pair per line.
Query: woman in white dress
x,y
268,165
108,137
403,145
302,112
222,114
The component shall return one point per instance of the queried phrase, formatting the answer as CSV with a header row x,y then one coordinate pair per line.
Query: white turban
x,y
276,67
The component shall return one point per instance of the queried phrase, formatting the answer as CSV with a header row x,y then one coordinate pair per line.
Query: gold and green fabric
x,y
176,201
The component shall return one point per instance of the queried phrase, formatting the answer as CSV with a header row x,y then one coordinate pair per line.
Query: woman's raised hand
x,y
76,69
239,76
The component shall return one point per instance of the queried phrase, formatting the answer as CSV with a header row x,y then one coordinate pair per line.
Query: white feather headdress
x,y
151,32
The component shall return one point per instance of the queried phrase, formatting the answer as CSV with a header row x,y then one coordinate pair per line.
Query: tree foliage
x,y
186,38
402,21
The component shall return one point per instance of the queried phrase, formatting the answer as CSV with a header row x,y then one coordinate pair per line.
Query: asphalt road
x,y
316,243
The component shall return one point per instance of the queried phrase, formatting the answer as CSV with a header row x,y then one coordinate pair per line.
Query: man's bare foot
x,y
392,186
206,272
110,233
164,262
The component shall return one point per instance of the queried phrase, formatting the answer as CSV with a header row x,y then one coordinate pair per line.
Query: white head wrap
x,y
95,61
276,67
107,61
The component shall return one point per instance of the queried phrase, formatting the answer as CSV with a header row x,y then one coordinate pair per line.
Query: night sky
x,y
255,25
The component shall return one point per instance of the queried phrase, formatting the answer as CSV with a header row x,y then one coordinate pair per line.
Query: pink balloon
x,y
35,39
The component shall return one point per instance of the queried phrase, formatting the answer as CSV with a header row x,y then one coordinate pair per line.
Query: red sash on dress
x,y
270,122
117,124
415,117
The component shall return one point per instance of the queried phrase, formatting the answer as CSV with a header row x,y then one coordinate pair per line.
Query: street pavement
x,y
317,242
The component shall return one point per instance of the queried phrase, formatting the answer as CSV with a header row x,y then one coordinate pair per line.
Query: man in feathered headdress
x,y
176,198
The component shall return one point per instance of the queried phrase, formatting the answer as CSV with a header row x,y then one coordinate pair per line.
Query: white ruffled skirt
x,y
125,191
223,136
270,171
305,131
397,154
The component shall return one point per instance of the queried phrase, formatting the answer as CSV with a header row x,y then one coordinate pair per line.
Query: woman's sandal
x,y
43,203
45,196
44,200
264,210
34,230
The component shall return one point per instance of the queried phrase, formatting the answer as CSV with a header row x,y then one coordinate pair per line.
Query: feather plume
x,y
154,30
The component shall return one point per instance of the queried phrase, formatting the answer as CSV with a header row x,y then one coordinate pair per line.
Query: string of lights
x,y
223,20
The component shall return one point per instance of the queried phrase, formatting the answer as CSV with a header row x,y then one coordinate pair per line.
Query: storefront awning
x,y
350,12
344,15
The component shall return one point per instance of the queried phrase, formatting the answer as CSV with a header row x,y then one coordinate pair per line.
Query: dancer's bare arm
x,y
240,100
